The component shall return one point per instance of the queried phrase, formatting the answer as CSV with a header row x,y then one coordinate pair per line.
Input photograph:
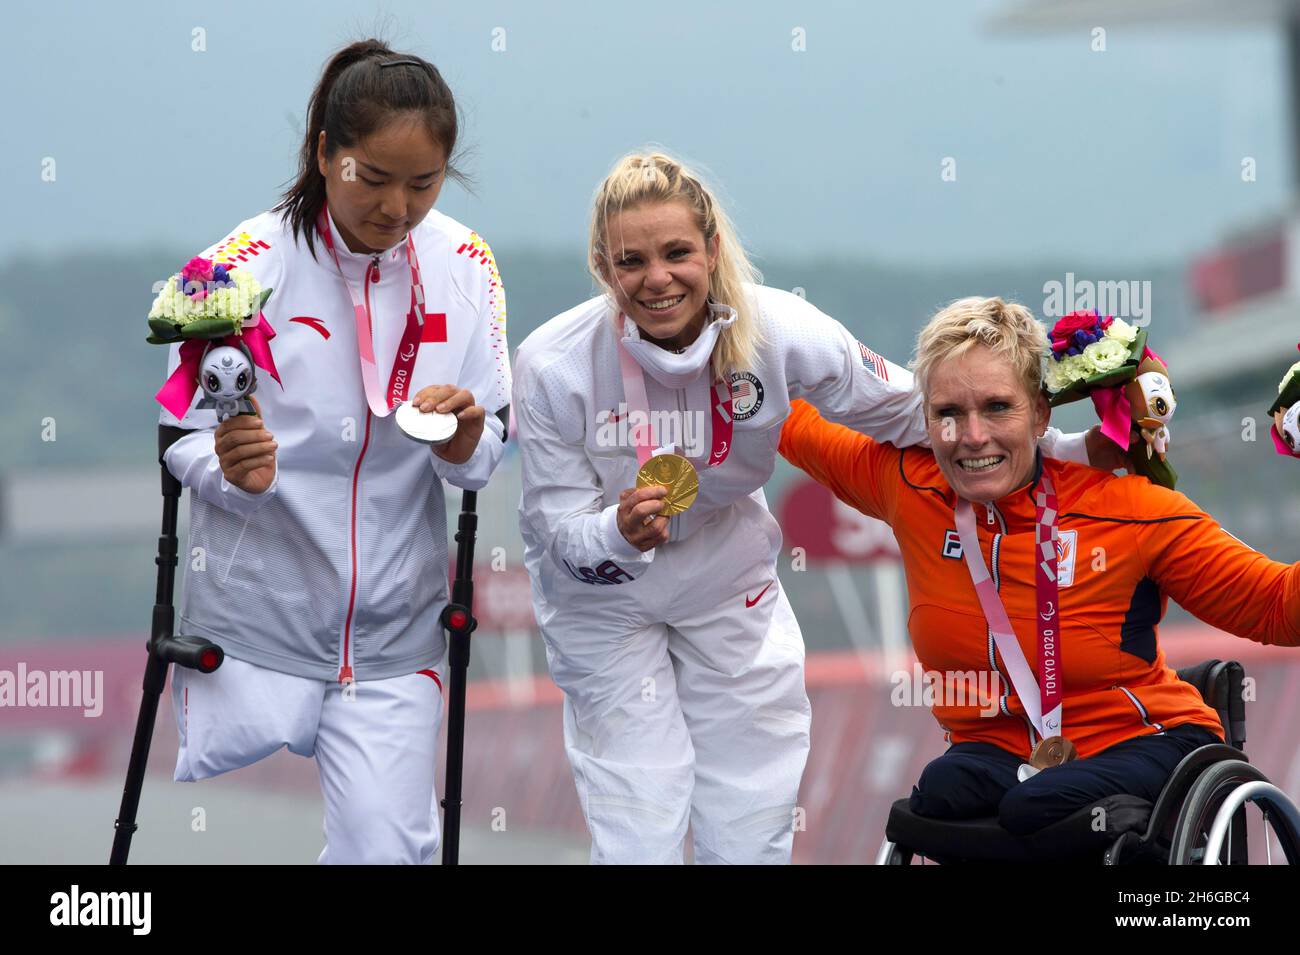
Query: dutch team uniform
x,y
1127,546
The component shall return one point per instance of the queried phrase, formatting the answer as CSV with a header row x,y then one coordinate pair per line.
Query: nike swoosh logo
x,y
315,323
750,603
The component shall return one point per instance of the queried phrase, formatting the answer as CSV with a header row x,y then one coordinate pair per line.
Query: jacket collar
x,y
354,264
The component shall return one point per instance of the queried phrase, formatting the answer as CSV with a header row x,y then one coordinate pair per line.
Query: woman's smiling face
x,y
660,270
983,424
383,187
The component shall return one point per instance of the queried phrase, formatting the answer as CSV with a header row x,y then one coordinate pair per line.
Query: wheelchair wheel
x,y
893,854
1204,801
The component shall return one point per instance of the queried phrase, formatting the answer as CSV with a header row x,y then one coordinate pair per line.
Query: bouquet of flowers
x,y
205,301
205,306
1106,359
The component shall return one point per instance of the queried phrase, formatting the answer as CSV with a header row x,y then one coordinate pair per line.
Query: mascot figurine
x,y
227,379
1151,404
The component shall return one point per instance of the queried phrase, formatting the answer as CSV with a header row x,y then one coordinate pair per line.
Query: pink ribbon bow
x,y
1114,410
178,392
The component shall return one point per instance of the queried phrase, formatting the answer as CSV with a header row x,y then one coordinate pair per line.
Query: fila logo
x,y
952,545
316,323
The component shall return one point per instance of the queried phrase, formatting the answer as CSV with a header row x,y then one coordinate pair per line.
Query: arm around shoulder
x,y
861,472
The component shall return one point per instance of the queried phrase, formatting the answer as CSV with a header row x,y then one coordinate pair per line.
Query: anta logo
x,y
1067,546
316,323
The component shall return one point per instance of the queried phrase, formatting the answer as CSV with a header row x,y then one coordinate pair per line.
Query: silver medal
x,y
432,428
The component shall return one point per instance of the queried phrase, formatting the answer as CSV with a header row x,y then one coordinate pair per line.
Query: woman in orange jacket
x,y
1069,632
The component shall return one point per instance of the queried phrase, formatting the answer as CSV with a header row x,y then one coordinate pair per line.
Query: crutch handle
x,y
193,653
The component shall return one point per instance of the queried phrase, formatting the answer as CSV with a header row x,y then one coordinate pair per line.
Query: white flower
x,y
1120,330
1106,354
1065,372
1055,377
233,300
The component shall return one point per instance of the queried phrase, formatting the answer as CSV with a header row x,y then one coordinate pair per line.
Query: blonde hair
x,y
646,177
1007,328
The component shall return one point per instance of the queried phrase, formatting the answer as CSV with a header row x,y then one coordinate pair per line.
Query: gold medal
x,y
1052,751
675,473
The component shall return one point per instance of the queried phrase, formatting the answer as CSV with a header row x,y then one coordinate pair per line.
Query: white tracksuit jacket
x,y
343,560
567,374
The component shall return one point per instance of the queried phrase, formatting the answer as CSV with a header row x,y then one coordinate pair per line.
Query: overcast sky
x,y
1132,154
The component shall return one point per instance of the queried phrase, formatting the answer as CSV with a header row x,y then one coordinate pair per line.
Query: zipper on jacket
x,y
345,645
674,522
989,505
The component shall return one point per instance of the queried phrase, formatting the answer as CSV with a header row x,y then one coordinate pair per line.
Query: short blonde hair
x,y
1007,328
642,177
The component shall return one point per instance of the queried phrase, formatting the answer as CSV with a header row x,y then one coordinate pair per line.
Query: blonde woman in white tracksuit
x,y
322,527
681,662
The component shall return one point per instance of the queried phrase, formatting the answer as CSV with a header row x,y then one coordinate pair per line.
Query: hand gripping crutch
x,y
458,620
196,653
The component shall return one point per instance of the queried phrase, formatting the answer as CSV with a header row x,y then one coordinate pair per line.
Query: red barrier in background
x,y
828,529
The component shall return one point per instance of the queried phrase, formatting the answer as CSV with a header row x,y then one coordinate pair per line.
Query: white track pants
x,y
685,699
375,748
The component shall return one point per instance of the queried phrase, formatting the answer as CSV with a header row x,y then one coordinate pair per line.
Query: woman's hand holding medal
x,y
639,520
246,451
448,399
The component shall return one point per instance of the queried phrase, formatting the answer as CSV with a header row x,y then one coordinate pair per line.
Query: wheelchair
x,y
1199,817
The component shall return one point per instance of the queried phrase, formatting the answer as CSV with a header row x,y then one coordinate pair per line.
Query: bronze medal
x,y
675,473
1052,751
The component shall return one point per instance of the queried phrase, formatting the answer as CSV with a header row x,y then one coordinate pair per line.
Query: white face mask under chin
x,y
677,370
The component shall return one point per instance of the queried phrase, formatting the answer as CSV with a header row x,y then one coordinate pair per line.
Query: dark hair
x,y
355,97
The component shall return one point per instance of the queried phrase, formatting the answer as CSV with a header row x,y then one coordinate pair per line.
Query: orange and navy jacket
x,y
1127,546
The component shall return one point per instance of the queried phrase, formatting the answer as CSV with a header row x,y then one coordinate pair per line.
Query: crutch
x,y
458,620
164,647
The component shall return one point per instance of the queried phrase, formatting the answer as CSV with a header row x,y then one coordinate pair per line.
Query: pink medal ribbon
x,y
635,395
1041,696
419,328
